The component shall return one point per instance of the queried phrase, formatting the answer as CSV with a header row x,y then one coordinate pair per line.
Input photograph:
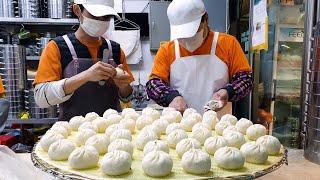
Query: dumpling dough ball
x,y
230,129
229,118
157,164
271,143
129,124
157,145
255,131
83,135
113,128
173,117
188,111
172,127
85,157
254,153
59,130
144,137
121,134
243,124
64,124
201,125
116,163
210,118
175,137
161,124
195,161
61,149
229,158
88,125
49,138
121,144
114,118
132,115
186,144
188,122
167,110
235,139
91,116
154,114
101,123
143,121
201,134
212,144
76,121
100,142
127,111
108,112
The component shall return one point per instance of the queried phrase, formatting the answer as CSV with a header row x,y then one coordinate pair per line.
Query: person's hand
x,y
100,71
179,104
222,96
122,80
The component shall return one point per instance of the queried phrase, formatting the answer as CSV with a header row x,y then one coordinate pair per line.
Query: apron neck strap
x,y
177,48
214,43
70,46
110,48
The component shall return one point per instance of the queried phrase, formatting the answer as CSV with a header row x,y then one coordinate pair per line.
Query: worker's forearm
x,y
240,86
74,82
159,91
125,91
50,93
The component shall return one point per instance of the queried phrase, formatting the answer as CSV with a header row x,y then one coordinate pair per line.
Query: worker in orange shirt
x,y
77,70
198,64
1,88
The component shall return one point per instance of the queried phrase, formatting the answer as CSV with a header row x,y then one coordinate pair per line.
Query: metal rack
x,y
38,21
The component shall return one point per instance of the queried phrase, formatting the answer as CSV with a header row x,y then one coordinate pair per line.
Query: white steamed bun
x,y
255,131
234,139
157,164
121,144
271,143
186,144
212,144
116,163
195,161
157,145
243,125
100,142
76,121
210,118
49,138
121,134
172,127
83,135
61,149
229,118
254,153
175,137
201,134
91,116
229,158
85,157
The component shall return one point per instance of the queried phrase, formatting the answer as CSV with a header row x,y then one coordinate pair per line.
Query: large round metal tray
x,y
250,171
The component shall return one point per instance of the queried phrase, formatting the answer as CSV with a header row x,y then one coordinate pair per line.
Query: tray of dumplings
x,y
153,144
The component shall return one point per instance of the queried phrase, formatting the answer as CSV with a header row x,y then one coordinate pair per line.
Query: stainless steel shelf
x,y
32,58
38,21
32,121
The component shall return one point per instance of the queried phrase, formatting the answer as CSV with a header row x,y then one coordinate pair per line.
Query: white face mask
x,y
192,43
94,28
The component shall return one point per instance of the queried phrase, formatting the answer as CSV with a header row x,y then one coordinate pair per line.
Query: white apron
x,y
198,77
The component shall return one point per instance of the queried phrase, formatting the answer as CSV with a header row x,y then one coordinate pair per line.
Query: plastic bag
x,y
12,167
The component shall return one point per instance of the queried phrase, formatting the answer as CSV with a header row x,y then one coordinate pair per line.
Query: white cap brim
x,y
100,10
184,30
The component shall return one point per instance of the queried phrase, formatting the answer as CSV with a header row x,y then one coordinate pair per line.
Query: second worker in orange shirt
x,y
77,71
198,64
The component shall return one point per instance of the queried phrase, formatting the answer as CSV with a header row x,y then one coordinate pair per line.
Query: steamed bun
x,y
234,139
157,164
172,127
188,111
127,111
167,110
61,149
254,153
83,135
144,137
271,143
229,158
186,144
64,124
175,137
172,117
229,118
113,128
129,124
156,145
210,118
221,126
59,130
91,116
143,121
161,124
255,131
195,161
201,134
192,119
121,134
100,142
212,144
243,124
150,112
109,112
116,163
75,122
101,123
121,144
85,157
88,125
49,138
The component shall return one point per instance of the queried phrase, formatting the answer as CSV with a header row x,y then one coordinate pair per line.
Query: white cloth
x,y
198,77
50,93
130,43
14,168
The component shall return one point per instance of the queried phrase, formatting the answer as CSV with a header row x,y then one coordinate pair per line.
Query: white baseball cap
x,y
99,8
185,17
